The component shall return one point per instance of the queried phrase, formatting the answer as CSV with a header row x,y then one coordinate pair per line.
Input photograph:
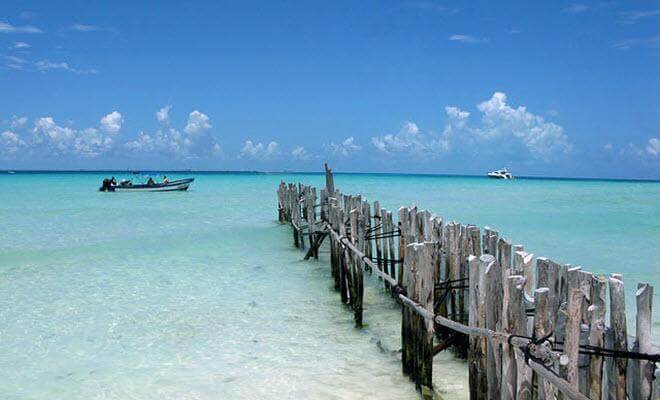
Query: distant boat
x,y
500,174
128,186
11,172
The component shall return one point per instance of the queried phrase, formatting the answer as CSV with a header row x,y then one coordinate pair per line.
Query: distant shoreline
x,y
238,172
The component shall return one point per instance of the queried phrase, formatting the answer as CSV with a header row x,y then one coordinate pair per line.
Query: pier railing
x,y
527,333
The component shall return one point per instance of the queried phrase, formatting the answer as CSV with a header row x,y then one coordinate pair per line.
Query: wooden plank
x,y
477,373
344,260
426,277
542,327
407,281
453,230
356,272
493,278
329,179
518,316
378,220
513,313
586,286
366,226
523,266
620,339
597,328
572,342
394,266
644,322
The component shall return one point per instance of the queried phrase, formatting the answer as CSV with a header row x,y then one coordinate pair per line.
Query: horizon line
x,y
7,171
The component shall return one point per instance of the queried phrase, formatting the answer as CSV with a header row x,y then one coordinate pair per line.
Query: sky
x,y
543,88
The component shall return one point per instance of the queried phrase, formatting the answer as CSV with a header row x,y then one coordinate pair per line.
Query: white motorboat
x,y
500,174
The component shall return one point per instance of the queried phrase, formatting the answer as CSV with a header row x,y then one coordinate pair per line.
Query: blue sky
x,y
543,88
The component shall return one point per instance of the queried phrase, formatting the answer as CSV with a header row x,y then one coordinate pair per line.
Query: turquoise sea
x,y
201,295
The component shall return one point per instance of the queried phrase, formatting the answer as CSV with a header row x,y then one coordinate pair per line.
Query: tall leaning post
x,y
644,322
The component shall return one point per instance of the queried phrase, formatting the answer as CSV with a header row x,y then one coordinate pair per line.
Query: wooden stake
x,y
617,375
644,298
493,276
597,328
542,327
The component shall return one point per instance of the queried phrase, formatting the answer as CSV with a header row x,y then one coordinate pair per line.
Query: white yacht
x,y
500,174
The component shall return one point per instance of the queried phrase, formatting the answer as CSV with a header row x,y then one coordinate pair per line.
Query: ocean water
x,y
201,295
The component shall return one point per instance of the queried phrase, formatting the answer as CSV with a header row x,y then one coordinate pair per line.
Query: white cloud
x,y
112,122
467,39
608,147
45,65
299,153
18,122
653,147
258,150
15,60
197,122
163,115
631,149
456,120
21,45
88,142
10,143
653,42
576,8
169,141
346,147
83,28
631,17
194,142
410,140
499,120
48,132
502,128
9,28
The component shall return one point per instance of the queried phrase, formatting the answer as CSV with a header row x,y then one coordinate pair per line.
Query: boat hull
x,y
496,176
174,186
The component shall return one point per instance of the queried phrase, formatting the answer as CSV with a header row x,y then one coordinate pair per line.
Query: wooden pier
x,y
527,333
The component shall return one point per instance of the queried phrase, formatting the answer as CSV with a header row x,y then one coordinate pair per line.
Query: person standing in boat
x,y
165,180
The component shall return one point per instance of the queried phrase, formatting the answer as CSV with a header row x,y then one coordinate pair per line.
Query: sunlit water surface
x,y
201,295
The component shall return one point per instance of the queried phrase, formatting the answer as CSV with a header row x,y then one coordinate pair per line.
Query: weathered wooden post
x,y
542,327
356,272
569,358
344,259
597,328
329,179
644,297
376,232
334,225
394,261
493,277
617,376
477,319
453,258
513,316
421,283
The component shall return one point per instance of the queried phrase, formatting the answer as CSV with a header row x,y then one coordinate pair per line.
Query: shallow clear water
x,y
201,295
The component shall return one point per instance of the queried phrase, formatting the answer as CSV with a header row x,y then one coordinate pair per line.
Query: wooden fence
x,y
527,334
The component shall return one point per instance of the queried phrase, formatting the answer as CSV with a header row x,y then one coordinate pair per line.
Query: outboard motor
x,y
108,185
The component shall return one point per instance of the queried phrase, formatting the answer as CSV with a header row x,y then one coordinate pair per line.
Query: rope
x,y
387,260
382,235
373,229
604,352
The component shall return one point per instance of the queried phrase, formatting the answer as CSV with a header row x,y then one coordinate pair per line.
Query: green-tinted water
x,y
201,295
